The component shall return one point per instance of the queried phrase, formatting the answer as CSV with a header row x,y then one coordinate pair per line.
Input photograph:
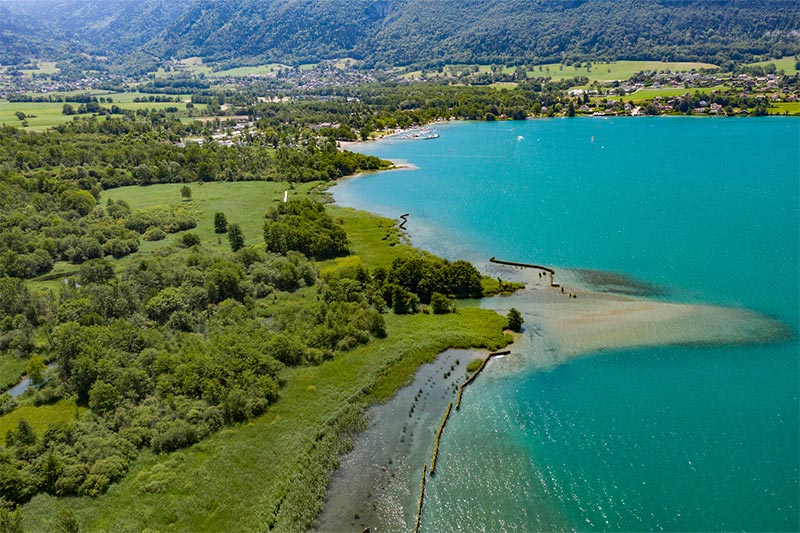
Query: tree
x,y
96,271
35,370
515,320
220,223
186,192
235,237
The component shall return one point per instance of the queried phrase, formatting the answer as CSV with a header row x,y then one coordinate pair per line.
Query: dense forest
x,y
387,33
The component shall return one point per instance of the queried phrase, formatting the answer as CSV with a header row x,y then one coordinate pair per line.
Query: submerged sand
x,y
577,319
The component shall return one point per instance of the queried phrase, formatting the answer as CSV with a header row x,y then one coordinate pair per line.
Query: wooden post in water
x,y
421,498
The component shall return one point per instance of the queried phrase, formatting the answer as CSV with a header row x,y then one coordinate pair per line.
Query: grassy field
x,y
260,70
784,108
618,70
787,64
270,470
45,67
41,417
648,94
243,203
48,114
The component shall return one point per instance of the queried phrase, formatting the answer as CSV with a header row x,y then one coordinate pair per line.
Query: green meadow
x,y
270,472
618,70
786,64
243,203
643,95
43,115
40,418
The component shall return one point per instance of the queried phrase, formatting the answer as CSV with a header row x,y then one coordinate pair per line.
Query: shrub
x,y
154,233
515,320
187,240
440,304
474,365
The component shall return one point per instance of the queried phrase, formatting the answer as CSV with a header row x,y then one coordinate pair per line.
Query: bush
x,y
187,240
154,233
96,271
170,436
515,320
474,365
441,304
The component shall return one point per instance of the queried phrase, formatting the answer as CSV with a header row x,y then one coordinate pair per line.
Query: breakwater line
x,y
439,436
421,498
549,270
405,219
475,375
439,433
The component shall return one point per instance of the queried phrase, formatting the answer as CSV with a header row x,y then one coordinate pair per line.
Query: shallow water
x,y
674,438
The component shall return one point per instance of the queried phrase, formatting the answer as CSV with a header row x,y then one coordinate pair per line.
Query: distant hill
x,y
60,28
402,32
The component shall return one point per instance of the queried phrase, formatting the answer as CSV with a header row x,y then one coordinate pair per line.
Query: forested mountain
x,y
401,32
58,28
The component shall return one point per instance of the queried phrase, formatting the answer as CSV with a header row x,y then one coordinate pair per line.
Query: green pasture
x,y
643,95
618,70
41,417
48,114
786,64
44,67
260,70
243,203
784,108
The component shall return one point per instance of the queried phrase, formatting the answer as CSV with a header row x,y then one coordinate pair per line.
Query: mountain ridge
x,y
383,33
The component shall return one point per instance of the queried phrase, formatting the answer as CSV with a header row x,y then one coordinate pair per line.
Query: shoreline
x,y
379,480
597,312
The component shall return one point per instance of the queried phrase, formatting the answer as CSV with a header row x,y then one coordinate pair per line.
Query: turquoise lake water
x,y
672,438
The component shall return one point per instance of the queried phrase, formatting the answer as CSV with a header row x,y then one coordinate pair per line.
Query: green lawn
x,y
41,417
787,64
